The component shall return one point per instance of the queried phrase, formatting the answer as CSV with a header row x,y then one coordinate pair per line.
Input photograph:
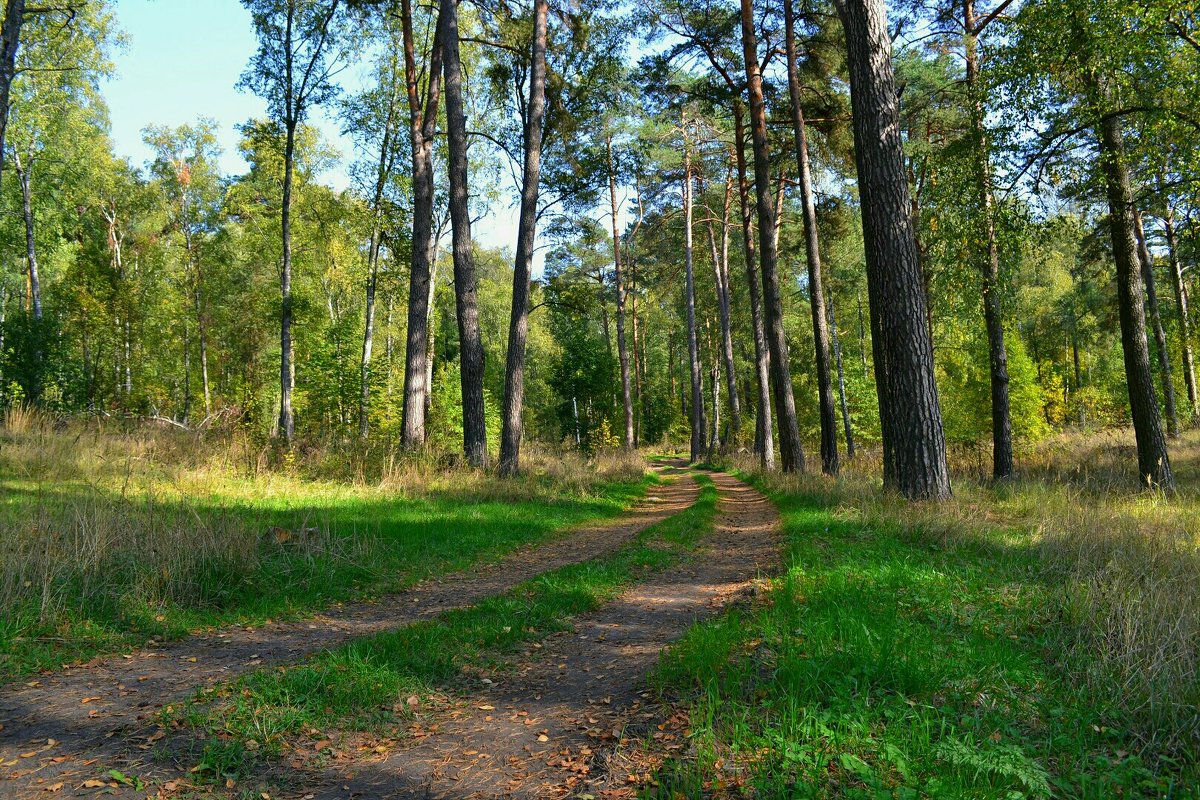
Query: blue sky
x,y
182,61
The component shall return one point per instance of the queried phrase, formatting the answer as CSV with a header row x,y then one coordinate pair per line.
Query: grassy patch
x,y
891,661
365,685
107,541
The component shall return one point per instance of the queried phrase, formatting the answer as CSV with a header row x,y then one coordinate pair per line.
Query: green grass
x,y
95,564
885,665
364,685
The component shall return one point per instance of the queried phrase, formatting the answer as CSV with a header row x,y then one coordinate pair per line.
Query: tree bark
x,y
466,304
1154,465
816,289
1002,447
423,113
914,444
791,450
720,260
1181,306
25,176
764,438
287,367
622,349
518,329
10,42
697,396
1160,336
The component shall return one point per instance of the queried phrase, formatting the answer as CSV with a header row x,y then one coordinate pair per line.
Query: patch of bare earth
x,y
64,731
563,723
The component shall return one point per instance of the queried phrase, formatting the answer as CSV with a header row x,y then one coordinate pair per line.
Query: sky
x,y
182,61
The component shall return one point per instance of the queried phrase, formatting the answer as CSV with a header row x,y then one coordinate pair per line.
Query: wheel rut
x,y
553,727
63,727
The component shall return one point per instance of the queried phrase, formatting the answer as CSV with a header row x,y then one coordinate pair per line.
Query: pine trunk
x,y
1160,336
791,450
697,380
914,445
1002,447
1154,464
518,330
622,349
816,288
466,303
764,439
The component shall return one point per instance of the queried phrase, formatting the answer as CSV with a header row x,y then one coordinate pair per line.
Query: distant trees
x,y
980,247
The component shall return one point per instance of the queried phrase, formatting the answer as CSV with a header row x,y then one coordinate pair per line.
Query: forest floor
x,y
576,623
734,635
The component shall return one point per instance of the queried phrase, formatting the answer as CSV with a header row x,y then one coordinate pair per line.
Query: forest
x,y
678,399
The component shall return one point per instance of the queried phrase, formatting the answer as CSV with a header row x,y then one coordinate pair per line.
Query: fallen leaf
x,y
55,787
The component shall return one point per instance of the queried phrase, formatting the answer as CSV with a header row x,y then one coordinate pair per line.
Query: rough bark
x,y
764,439
697,380
518,329
466,303
1154,465
619,277
423,113
1002,447
10,42
1160,337
791,450
914,445
816,288
1181,307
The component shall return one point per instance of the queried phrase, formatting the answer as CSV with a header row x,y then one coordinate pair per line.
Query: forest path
x,y
554,726
60,729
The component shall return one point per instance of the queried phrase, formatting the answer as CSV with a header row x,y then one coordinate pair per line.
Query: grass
x,y
1032,639
109,538
366,685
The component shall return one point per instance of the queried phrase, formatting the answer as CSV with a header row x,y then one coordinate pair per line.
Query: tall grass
x,y
110,531
1120,565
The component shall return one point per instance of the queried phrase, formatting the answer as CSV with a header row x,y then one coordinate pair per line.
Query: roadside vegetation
x,y
1034,638
113,534
376,683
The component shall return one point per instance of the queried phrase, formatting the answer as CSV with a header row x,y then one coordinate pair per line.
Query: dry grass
x,y
1119,565
145,527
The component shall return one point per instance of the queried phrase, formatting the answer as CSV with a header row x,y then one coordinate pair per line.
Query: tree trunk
x,y
816,289
1181,306
697,396
24,175
720,260
1154,464
10,41
1002,447
914,444
423,115
383,173
764,438
1160,336
466,305
841,373
287,367
791,450
622,350
518,330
